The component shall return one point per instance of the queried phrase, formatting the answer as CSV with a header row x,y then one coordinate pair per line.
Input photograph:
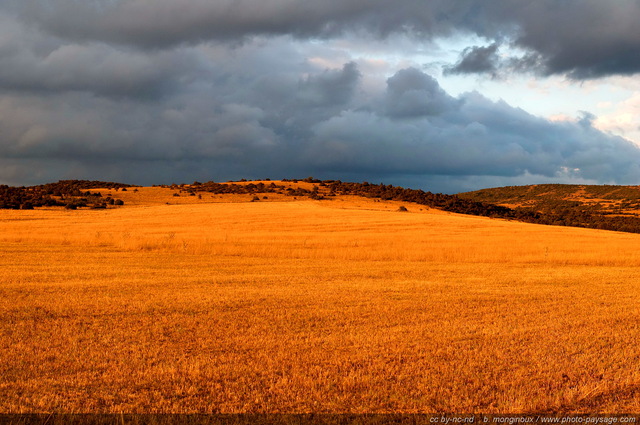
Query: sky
x,y
440,95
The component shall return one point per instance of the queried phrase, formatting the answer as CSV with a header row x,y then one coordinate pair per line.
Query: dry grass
x,y
307,306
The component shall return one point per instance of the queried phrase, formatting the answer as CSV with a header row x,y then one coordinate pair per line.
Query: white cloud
x,y
624,119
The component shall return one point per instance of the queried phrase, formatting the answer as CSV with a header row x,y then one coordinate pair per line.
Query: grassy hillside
x,y
602,207
221,304
619,200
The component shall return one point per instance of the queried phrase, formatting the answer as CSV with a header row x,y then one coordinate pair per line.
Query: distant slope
x,y
327,189
549,198
596,206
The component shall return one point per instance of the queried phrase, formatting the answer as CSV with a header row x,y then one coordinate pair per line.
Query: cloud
x,y
193,21
98,69
477,60
331,87
142,92
412,93
589,38
33,63
623,119
476,138
232,119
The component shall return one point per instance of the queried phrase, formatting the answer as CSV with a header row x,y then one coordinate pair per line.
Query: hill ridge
x,y
605,207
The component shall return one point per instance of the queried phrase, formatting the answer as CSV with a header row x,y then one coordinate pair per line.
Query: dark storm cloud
x,y
163,23
580,38
231,119
411,93
331,87
128,90
32,62
98,69
475,136
477,60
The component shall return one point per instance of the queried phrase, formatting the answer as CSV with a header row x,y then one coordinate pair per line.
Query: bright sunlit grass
x,y
307,306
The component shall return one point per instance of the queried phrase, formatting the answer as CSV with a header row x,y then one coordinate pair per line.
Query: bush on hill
x,y
66,193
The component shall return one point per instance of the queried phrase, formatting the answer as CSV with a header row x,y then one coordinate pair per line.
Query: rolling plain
x,y
219,304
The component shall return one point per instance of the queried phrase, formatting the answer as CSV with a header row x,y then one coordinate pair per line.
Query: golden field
x,y
180,304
